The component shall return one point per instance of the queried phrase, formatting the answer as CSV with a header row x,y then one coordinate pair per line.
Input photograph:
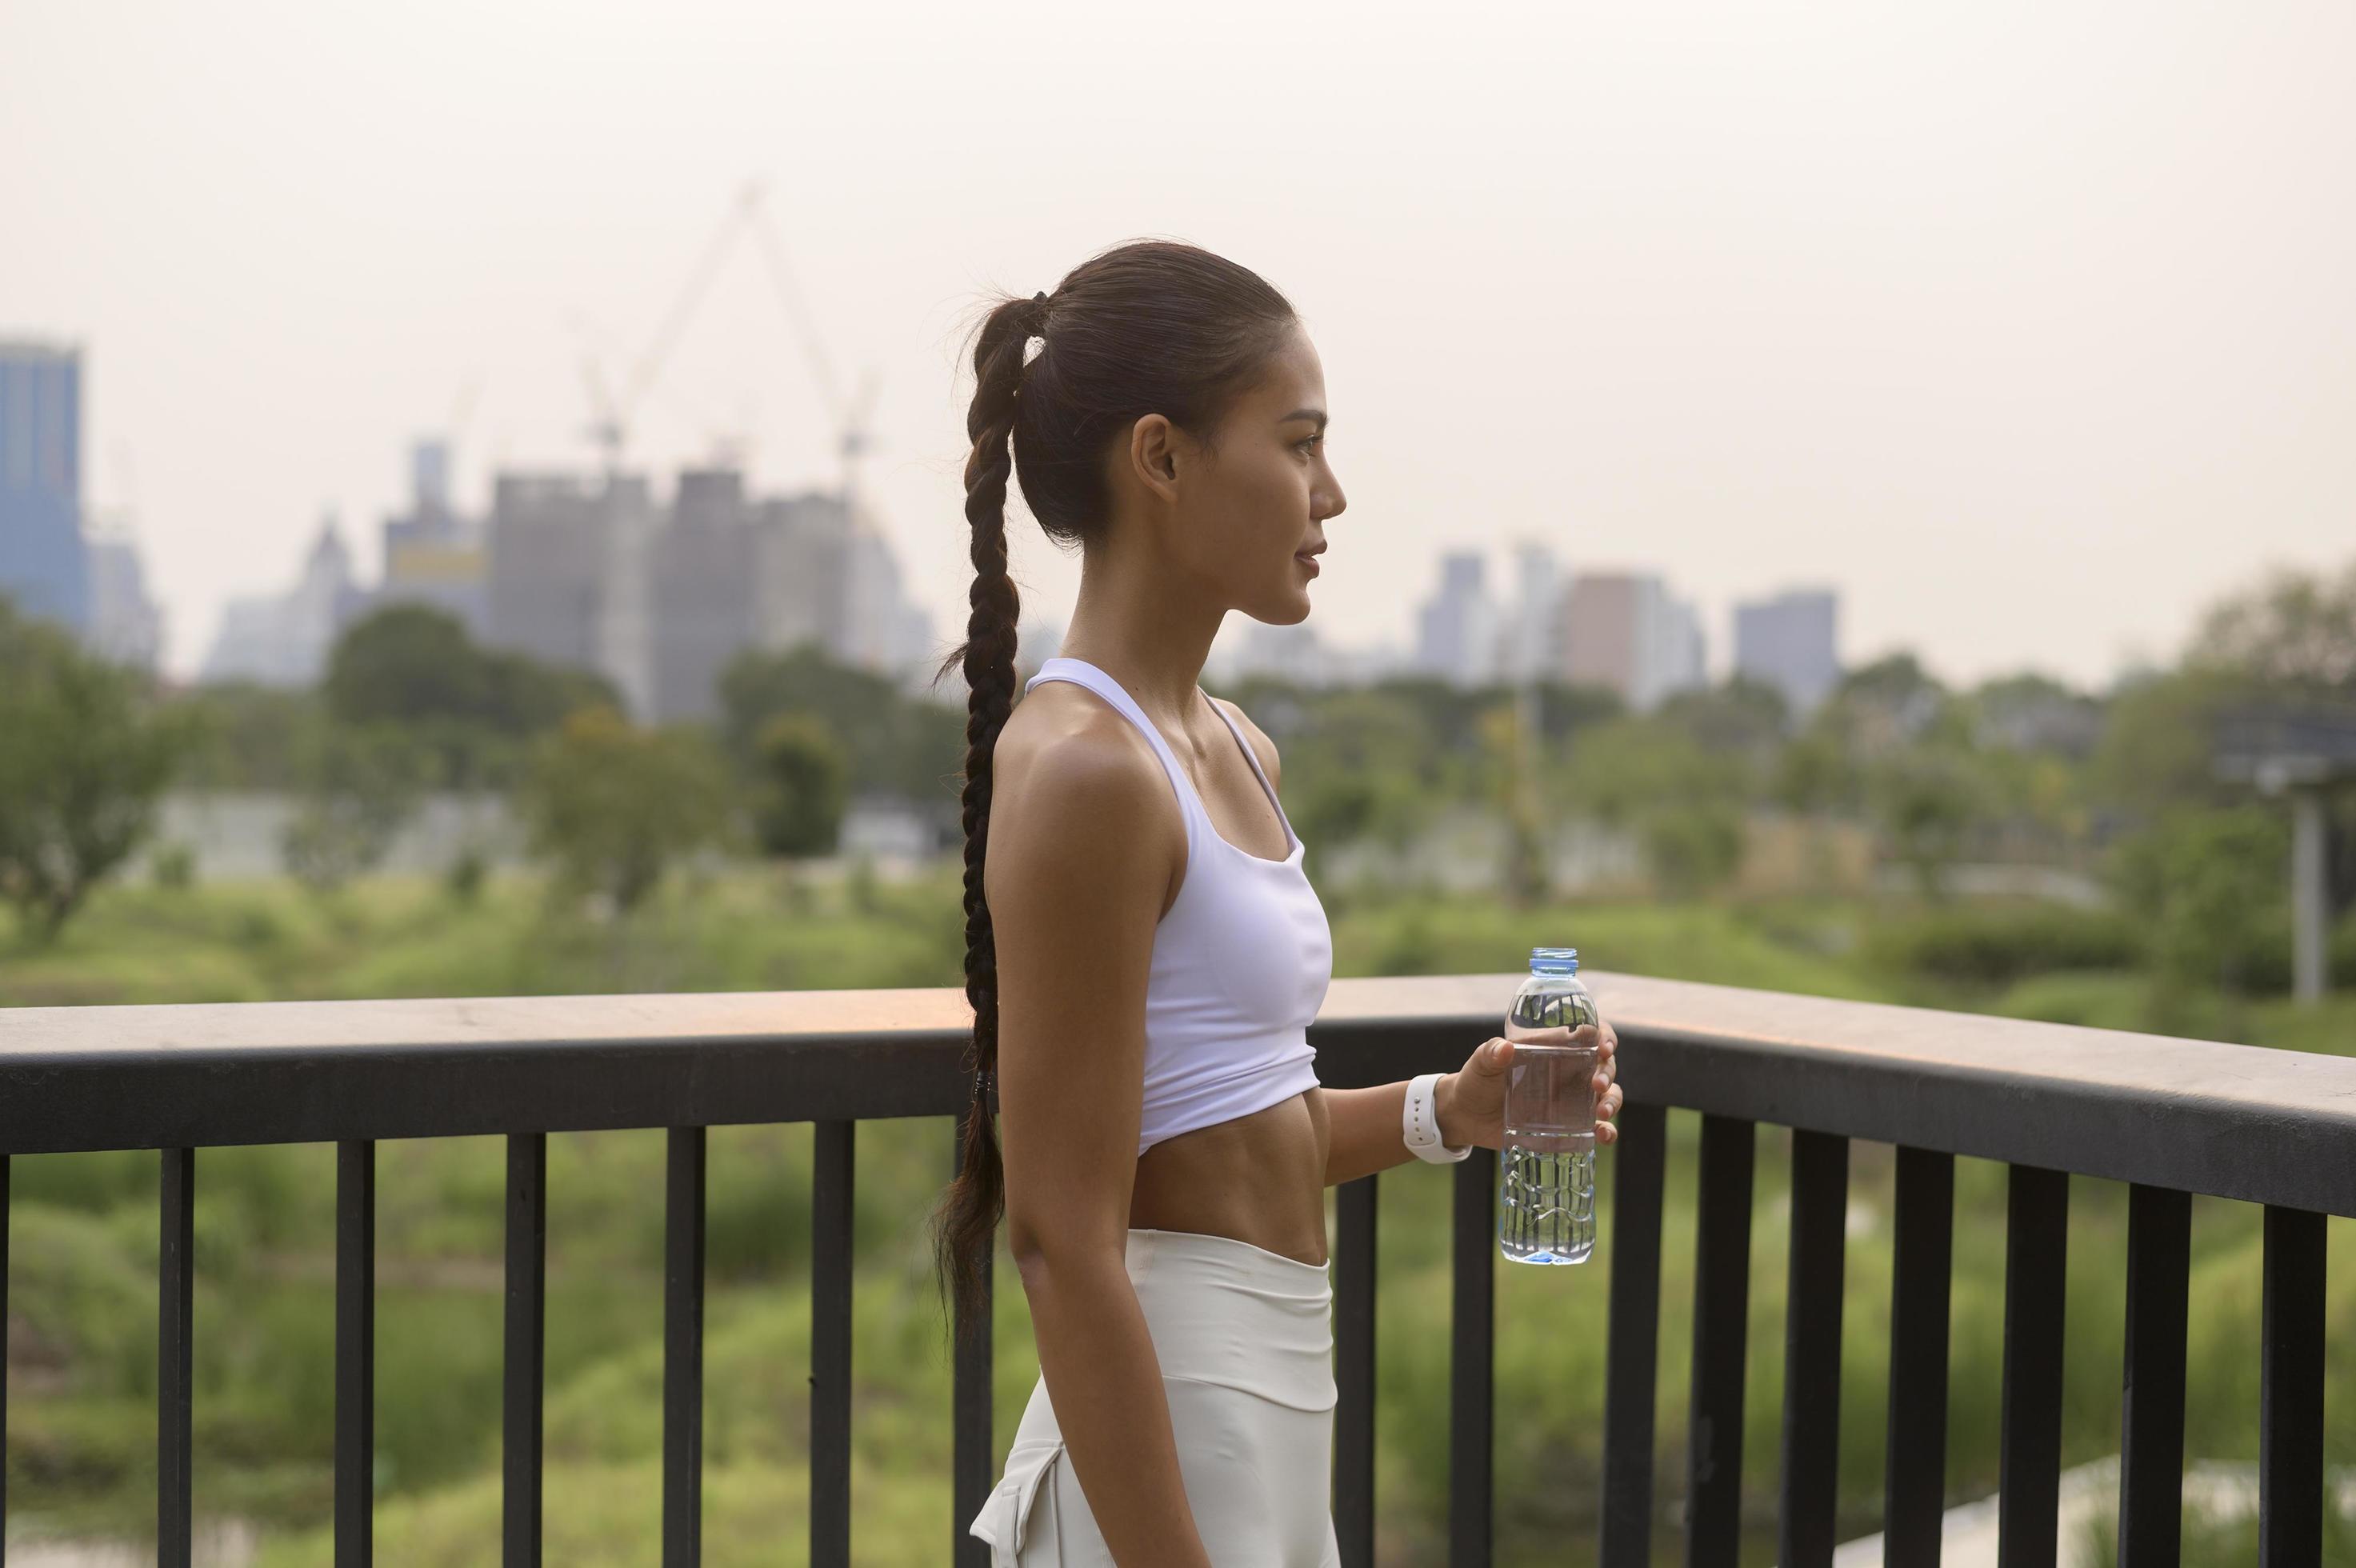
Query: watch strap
x,y
1419,1122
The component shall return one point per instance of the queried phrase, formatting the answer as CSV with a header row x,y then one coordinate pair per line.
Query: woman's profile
x,y
1144,952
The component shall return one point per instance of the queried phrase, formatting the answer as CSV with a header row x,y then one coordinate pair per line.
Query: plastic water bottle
x,y
1547,1176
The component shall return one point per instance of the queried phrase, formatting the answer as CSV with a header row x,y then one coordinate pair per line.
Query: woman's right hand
x,y
1470,1102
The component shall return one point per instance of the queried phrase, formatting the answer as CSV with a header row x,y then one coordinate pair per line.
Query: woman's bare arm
x,y
1362,1133
1077,871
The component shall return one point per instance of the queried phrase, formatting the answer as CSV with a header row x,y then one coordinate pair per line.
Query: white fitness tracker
x,y
1419,1122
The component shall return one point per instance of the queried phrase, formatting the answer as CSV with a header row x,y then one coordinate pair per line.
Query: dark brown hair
x,y
1149,327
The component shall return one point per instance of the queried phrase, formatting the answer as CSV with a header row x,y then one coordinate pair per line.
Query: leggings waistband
x,y
1225,1311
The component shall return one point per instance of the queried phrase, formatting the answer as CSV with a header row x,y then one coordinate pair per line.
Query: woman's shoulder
x,y
1078,804
1064,752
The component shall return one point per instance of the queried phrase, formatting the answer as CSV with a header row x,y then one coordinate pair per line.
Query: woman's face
x,y
1249,510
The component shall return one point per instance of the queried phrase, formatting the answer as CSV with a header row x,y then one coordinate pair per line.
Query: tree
x,y
892,743
1684,803
414,667
2033,712
84,756
359,785
803,783
1927,798
1742,715
1883,705
247,735
611,805
2295,632
2210,884
1815,774
2157,747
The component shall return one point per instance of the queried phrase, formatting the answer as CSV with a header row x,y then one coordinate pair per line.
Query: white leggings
x,y
1245,1339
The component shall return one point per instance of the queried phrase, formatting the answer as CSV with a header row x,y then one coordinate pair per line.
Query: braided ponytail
x,y
1151,326
967,1218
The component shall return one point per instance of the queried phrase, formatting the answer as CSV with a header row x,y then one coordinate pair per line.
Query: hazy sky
x,y
2029,325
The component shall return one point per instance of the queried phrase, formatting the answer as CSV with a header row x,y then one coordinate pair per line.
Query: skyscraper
x,y
1792,643
1624,632
432,554
661,600
1533,634
44,565
1457,633
285,639
565,579
126,625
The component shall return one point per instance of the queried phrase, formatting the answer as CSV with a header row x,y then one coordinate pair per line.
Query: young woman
x,y
1143,952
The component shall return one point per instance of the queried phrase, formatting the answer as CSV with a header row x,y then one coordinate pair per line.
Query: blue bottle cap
x,y
1554,961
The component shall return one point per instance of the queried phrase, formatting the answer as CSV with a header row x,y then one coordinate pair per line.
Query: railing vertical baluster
x,y
1354,1370
2290,1391
1721,1317
684,1191
829,1383
1914,1482
972,1441
355,1352
4,1361
175,1361
2151,1415
2028,1460
1633,1334
526,1349
1811,1348
1472,1362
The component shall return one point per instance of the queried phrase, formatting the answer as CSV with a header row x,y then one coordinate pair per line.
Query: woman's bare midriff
x,y
1259,1178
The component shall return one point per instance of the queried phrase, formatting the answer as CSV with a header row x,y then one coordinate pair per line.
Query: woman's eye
x,y
1311,441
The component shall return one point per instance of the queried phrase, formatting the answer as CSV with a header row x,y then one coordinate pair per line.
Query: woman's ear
x,y
1153,444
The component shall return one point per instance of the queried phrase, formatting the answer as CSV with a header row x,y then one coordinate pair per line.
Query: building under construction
x,y
592,573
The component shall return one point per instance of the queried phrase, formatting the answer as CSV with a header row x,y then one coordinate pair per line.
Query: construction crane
x,y
614,408
850,415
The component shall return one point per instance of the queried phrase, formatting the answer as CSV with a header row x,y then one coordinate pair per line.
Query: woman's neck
x,y
1156,648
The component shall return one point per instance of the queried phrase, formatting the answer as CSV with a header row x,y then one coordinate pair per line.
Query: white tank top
x,y
1241,961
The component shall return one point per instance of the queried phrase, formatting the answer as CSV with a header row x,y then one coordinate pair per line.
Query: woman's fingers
x,y
1607,1106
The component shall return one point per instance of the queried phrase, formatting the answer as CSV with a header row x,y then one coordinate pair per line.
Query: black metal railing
x,y
2171,1116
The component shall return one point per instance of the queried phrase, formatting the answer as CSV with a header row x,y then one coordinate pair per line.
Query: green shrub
x,y
463,880
174,865
1996,944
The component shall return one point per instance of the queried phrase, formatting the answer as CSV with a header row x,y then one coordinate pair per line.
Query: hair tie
x,y
1038,326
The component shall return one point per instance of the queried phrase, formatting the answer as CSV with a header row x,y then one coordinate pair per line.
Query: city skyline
x,y
1617,629
2028,389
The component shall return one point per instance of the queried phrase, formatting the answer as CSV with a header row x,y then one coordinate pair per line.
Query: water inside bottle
x,y
1549,1090
1547,1212
1547,1175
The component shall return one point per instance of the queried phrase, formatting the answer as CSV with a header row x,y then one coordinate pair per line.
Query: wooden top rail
x,y
2242,1121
